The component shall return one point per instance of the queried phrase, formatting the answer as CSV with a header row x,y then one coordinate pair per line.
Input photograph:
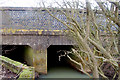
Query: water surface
x,y
63,71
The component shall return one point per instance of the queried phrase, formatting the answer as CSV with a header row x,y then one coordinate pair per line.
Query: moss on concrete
x,y
17,67
27,74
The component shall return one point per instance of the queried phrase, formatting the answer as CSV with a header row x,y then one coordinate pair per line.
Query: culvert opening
x,y
53,56
62,68
18,53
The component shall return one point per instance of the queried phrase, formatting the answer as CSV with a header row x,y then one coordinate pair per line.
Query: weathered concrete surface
x,y
33,27
39,42
27,26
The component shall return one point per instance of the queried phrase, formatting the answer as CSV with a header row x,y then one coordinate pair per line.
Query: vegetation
x,y
97,42
22,70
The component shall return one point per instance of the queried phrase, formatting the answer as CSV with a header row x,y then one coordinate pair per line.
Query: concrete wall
x,y
39,43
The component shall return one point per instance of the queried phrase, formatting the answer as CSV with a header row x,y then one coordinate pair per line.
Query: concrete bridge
x,y
36,28
33,27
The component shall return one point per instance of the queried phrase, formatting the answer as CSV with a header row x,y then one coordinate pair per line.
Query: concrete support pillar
x,y
40,59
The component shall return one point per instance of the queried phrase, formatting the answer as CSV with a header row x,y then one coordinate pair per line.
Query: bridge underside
x,y
39,43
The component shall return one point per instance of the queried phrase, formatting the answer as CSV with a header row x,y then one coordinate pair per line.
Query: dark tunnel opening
x,y
14,52
53,53
63,68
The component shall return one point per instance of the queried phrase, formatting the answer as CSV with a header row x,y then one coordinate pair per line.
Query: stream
x,y
63,72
